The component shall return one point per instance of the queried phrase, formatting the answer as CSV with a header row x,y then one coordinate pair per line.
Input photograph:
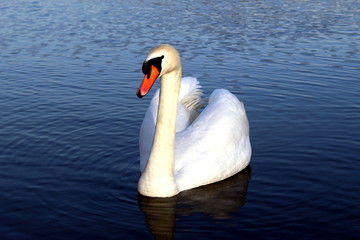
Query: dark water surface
x,y
70,119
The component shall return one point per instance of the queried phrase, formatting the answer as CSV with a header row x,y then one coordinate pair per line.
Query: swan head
x,y
161,60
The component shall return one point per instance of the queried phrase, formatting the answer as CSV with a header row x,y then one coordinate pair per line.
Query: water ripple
x,y
70,118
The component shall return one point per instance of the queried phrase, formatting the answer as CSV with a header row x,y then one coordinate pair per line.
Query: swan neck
x,y
158,179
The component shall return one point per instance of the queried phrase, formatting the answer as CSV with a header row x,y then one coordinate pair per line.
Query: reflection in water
x,y
216,200
160,215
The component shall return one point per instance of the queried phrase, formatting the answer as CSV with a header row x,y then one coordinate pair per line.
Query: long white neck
x,y
158,179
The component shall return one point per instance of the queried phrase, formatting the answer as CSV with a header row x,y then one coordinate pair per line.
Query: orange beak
x,y
148,82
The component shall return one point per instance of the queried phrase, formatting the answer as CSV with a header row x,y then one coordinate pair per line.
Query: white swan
x,y
179,148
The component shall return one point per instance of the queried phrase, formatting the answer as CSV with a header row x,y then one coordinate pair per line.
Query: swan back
x,y
218,140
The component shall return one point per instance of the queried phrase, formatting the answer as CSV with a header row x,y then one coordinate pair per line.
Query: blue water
x,y
70,119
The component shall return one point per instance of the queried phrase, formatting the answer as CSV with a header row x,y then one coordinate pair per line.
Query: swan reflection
x,y
217,200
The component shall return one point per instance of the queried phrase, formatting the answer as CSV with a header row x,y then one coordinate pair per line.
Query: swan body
x,y
181,149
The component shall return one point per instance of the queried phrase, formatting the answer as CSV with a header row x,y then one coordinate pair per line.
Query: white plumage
x,y
209,146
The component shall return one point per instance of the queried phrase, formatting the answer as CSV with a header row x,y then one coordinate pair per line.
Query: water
x,y
70,119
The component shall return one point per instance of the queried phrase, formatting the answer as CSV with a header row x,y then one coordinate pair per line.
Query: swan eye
x,y
156,62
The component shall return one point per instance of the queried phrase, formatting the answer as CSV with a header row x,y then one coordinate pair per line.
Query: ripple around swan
x,y
70,119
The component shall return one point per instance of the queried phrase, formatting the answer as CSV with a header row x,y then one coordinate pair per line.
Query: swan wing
x,y
216,145
189,102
